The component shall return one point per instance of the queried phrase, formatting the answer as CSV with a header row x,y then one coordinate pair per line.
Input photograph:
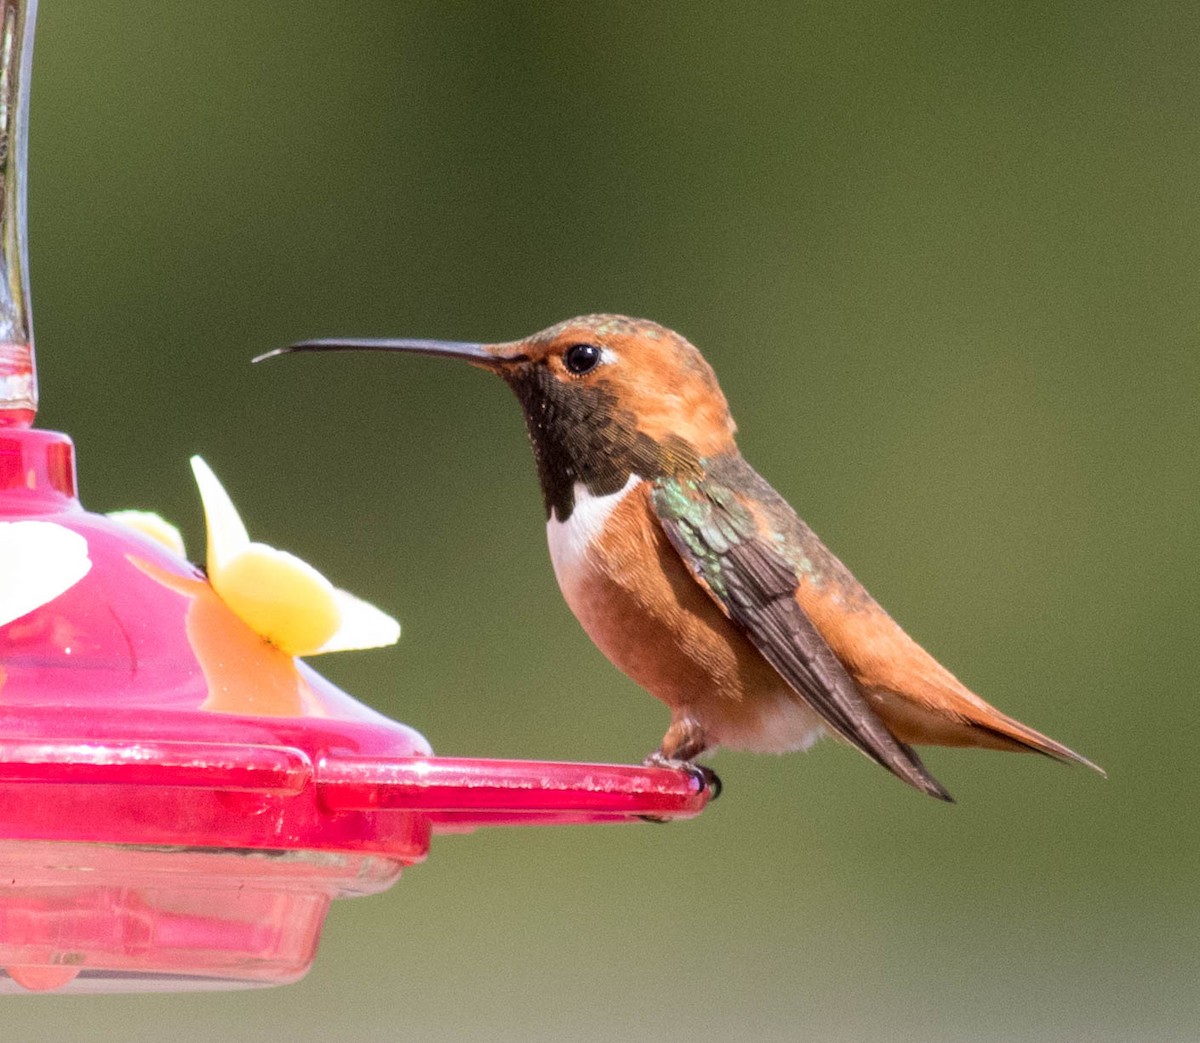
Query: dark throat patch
x,y
580,434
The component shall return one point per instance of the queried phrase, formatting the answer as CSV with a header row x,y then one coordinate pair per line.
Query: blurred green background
x,y
944,258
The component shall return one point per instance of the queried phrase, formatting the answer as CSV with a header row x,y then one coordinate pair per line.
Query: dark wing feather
x,y
718,540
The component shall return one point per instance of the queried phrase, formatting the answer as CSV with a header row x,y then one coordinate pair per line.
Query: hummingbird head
x,y
605,397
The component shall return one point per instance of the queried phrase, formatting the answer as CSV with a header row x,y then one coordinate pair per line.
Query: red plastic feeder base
x,y
180,801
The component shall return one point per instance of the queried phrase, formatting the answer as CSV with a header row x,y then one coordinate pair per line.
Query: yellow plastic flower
x,y
277,595
153,525
39,560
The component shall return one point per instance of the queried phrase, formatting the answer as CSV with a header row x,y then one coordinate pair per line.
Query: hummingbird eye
x,y
581,358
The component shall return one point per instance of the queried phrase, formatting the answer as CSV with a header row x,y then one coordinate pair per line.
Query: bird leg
x,y
685,740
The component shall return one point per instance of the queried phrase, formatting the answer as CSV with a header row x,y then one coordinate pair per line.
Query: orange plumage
x,y
695,577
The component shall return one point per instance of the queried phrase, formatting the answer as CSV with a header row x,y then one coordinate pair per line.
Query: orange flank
x,y
683,648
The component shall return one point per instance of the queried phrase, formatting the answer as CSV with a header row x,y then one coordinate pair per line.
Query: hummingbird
x,y
695,577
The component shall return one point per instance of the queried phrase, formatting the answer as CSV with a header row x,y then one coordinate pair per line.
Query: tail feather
x,y
1025,739
955,716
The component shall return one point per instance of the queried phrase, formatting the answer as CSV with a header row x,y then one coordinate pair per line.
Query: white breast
x,y
569,541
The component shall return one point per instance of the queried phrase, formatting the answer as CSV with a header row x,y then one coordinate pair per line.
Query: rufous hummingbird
x,y
695,577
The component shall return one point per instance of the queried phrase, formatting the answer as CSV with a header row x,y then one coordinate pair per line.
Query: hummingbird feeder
x,y
179,800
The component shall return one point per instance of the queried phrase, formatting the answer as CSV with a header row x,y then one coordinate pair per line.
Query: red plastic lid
x,y
178,757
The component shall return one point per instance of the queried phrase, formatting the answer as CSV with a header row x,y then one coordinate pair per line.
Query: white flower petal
x,y
363,626
38,562
227,535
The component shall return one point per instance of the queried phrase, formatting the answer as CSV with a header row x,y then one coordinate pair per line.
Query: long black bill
x,y
455,349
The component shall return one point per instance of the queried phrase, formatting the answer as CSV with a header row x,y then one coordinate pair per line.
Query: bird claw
x,y
704,776
710,780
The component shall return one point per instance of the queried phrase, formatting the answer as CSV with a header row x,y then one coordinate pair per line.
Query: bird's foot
x,y
704,775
